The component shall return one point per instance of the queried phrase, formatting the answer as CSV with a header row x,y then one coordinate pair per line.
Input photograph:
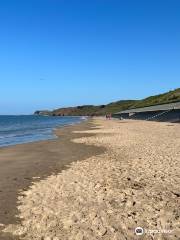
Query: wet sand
x,y
21,164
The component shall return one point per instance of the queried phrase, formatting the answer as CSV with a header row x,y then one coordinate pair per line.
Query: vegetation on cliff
x,y
90,110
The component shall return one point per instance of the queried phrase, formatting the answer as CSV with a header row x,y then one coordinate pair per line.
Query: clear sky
x,y
57,53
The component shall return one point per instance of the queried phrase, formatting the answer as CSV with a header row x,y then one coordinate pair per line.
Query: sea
x,y
30,128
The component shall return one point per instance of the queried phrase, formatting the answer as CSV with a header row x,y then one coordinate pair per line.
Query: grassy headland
x,y
90,110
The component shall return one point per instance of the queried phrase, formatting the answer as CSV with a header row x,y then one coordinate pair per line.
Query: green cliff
x,y
90,110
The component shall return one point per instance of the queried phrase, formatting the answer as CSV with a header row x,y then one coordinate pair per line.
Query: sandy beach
x,y
23,164
99,180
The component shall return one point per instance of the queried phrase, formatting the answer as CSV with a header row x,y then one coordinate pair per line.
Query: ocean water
x,y
23,129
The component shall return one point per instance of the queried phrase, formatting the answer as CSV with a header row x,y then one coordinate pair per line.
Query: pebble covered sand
x,y
136,182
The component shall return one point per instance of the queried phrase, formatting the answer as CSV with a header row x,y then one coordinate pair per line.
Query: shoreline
x,y
22,164
51,137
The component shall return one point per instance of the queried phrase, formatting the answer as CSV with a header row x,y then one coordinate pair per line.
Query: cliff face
x,y
91,110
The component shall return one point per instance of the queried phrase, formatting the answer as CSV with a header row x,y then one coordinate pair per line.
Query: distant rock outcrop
x,y
43,112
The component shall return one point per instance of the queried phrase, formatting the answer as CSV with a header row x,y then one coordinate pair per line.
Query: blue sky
x,y
57,53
